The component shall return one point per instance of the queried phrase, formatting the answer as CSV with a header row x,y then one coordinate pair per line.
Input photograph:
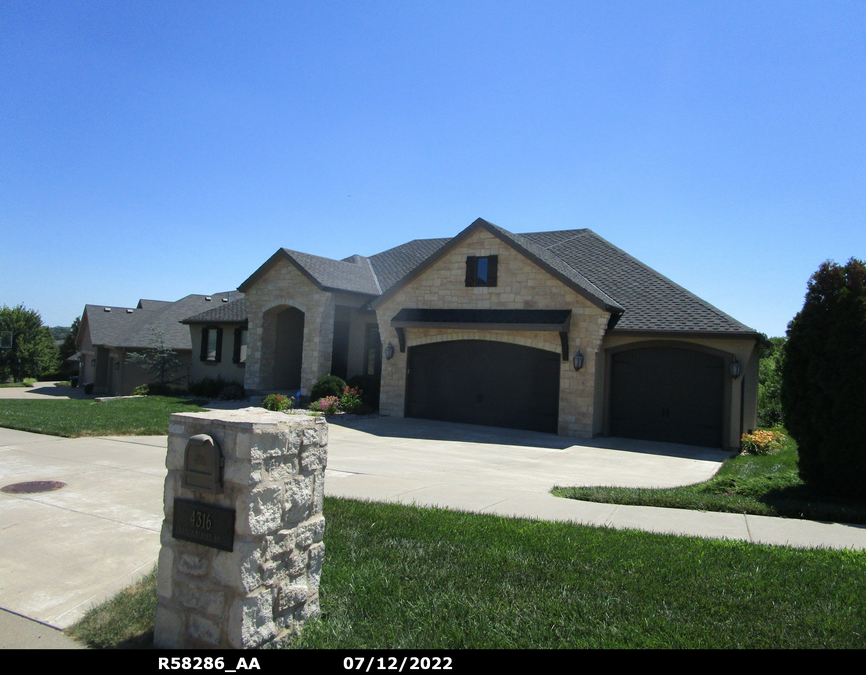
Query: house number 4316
x,y
200,520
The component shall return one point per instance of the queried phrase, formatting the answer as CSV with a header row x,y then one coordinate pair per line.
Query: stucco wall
x,y
284,286
226,368
521,285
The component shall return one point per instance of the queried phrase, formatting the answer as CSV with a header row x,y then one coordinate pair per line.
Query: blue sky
x,y
154,149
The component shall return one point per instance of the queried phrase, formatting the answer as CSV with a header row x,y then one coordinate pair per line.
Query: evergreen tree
x,y
824,380
160,360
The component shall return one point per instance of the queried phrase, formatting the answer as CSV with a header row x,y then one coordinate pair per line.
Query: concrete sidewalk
x,y
63,551
510,473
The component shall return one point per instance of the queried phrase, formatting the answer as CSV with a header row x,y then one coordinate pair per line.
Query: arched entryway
x,y
282,348
666,393
484,382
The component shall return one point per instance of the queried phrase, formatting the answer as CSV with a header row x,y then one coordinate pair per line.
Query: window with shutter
x,y
482,270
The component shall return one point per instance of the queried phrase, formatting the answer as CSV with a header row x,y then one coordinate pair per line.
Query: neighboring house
x,y
108,334
219,340
552,331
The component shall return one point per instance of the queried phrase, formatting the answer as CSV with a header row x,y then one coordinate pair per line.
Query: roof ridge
x,y
375,276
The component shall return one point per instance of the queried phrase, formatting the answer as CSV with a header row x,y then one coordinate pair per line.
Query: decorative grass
x,y
73,418
405,577
766,485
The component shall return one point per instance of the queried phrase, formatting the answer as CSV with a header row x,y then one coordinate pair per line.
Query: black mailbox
x,y
203,465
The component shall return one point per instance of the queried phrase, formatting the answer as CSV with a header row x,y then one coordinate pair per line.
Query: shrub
x,y
762,442
329,405
368,385
275,402
157,389
208,387
350,399
330,385
140,390
824,380
232,392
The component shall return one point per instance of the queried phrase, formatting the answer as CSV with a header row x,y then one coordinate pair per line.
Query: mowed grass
x,y
405,577
124,622
146,416
767,485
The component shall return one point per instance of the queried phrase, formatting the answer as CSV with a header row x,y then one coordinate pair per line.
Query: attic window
x,y
129,311
481,270
106,309
225,299
207,298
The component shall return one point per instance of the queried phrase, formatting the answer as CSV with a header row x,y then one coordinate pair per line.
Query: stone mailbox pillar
x,y
242,544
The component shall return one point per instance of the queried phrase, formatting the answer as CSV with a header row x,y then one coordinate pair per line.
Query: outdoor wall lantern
x,y
578,360
389,351
735,368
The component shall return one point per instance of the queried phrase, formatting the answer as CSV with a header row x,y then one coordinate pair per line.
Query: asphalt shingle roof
x,y
134,328
225,312
652,301
649,300
339,275
392,265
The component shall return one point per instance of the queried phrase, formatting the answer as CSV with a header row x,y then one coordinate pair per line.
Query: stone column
x,y
267,586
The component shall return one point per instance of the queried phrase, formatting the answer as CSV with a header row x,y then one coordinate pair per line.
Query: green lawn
x,y
761,485
70,417
405,577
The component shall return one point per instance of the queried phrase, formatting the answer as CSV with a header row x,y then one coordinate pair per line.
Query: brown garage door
x,y
667,394
483,382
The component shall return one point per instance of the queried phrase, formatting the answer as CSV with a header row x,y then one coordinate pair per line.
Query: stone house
x,y
551,331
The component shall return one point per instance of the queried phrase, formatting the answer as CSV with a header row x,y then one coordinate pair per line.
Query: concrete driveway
x,y
43,391
416,457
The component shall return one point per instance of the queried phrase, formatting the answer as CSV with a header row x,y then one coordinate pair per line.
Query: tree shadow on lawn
x,y
799,501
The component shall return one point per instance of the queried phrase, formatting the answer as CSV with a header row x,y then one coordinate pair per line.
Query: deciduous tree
x,y
33,351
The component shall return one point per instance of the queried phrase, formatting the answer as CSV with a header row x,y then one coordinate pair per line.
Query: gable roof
x,y
540,256
133,328
638,298
354,276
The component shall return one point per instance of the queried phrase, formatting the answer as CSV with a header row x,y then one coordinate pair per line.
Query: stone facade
x,y
283,286
268,585
521,285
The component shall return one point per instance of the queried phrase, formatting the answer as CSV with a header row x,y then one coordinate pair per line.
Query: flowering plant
x,y
350,399
328,404
762,442
276,402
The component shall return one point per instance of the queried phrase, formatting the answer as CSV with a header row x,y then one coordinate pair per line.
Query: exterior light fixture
x,y
389,351
578,360
735,368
